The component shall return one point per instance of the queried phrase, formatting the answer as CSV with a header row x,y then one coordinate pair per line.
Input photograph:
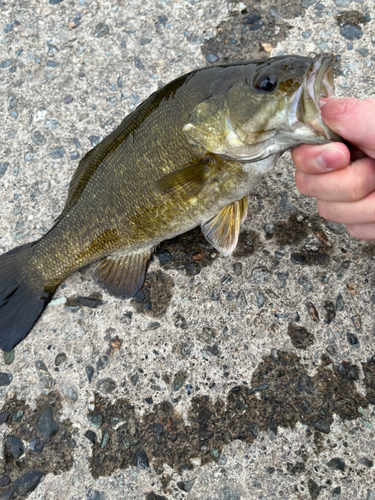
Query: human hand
x,y
342,178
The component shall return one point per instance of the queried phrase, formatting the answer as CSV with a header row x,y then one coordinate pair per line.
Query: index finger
x,y
353,119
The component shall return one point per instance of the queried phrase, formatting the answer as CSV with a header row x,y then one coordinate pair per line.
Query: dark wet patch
x,y
189,252
240,36
301,338
291,231
47,441
353,17
281,393
93,301
155,295
248,241
368,250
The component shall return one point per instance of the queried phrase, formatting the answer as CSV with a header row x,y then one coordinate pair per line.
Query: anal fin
x,y
223,229
123,275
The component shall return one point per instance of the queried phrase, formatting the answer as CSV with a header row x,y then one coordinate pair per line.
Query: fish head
x,y
265,107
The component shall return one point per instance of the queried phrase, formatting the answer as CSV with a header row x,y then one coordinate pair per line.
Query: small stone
x,y
17,417
89,372
95,419
186,486
274,12
285,204
357,322
261,299
154,496
164,256
105,440
226,279
322,426
46,424
351,32
101,30
141,460
241,299
307,3
367,462
230,494
180,322
303,281
213,350
38,138
335,227
340,304
363,51
313,488
342,3
3,168
36,445
4,417
46,382
4,481
6,63
95,140
306,34
60,358
311,309
177,384
68,99
106,385
57,153
330,311
253,18
14,446
211,58
138,63
69,391
5,379
298,259
29,481
149,400
353,340
370,495
269,228
205,434
259,275
159,433
336,493
237,268
336,464
91,436
8,357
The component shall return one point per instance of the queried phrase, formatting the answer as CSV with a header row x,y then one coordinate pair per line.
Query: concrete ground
x,y
246,377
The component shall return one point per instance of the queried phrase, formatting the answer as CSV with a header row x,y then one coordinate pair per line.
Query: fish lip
x,y
316,87
319,80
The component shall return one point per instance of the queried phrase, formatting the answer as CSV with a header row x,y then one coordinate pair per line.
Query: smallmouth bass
x,y
187,156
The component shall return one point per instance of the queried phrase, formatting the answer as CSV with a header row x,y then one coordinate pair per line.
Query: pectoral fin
x,y
186,182
123,276
223,228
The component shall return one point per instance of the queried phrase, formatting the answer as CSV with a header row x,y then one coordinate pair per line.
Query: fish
x,y
187,156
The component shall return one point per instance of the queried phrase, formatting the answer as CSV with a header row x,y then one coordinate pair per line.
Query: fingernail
x,y
331,159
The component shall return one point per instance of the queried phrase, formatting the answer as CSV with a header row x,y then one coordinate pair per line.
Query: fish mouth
x,y
316,87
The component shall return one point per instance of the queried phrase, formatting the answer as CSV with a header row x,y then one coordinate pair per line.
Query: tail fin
x,y
22,299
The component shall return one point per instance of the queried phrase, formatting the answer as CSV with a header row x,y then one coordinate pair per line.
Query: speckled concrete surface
x,y
290,314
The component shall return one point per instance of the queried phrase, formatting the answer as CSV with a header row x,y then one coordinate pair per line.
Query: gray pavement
x,y
246,377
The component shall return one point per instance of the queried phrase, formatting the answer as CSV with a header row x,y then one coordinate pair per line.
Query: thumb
x,y
353,120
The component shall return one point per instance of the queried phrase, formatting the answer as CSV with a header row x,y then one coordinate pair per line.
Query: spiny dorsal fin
x,y
123,275
188,181
223,228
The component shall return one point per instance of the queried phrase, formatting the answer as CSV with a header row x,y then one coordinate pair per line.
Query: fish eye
x,y
267,83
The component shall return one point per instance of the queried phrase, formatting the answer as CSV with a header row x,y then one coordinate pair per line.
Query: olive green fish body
x,y
187,156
